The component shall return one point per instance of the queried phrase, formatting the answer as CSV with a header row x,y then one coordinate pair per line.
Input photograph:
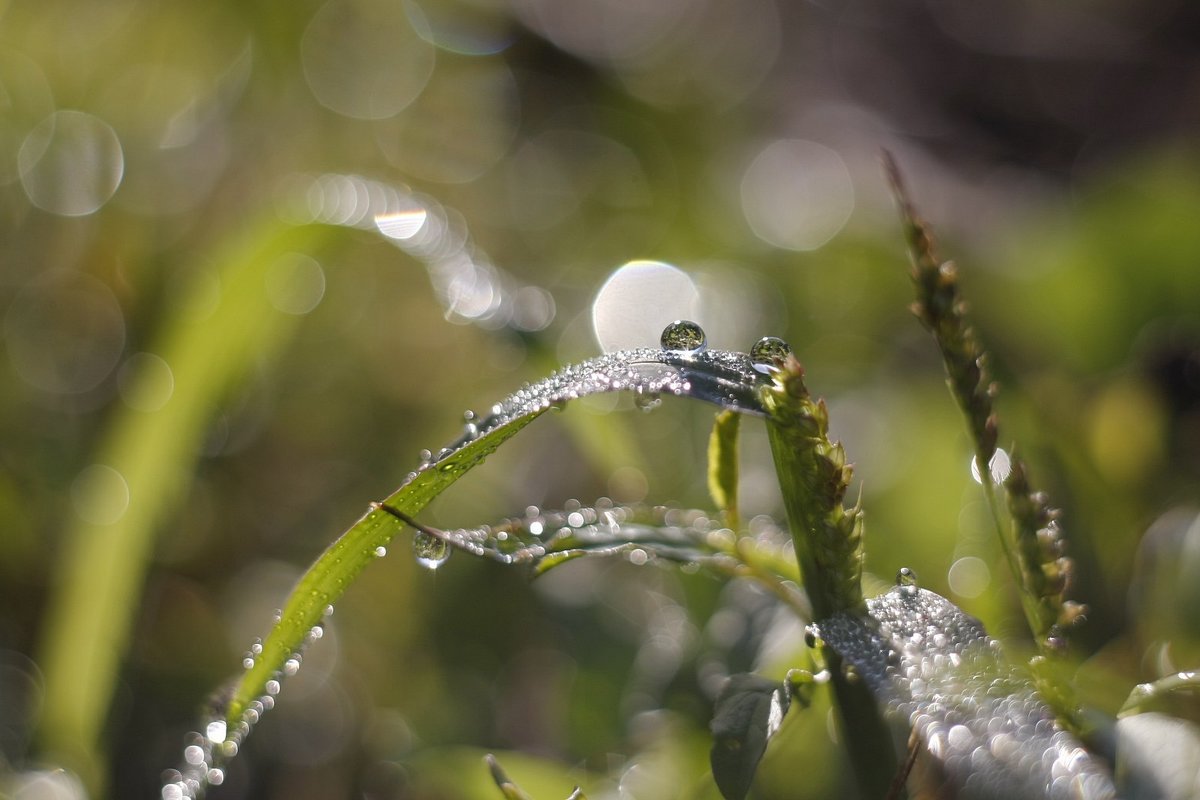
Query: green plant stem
x,y
814,478
1039,572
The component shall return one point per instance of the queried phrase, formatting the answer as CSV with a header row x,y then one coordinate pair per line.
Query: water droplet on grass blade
x,y
769,353
430,552
216,730
684,335
906,579
647,402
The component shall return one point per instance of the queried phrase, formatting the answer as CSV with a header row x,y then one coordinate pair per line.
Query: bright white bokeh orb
x,y
640,299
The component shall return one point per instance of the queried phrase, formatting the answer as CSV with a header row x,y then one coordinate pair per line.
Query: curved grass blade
x,y
978,718
723,378
103,565
543,540
546,539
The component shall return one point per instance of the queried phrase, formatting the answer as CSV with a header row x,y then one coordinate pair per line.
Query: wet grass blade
x,y
725,379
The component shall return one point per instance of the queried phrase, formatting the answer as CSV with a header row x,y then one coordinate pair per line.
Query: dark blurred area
x,y
255,257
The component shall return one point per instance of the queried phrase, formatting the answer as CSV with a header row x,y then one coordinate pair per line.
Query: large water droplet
x,y
430,551
685,335
906,579
769,353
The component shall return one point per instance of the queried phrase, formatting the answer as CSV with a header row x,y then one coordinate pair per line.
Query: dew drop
x,y
425,456
647,401
291,666
193,754
445,452
215,730
272,687
810,637
380,551
216,776
684,335
430,552
906,579
470,430
248,663
769,353
468,415
638,557
256,648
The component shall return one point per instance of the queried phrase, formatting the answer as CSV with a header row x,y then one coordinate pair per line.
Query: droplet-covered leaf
x,y
723,378
978,717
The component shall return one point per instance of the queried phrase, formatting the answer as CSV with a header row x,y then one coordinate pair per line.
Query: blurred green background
x,y
254,257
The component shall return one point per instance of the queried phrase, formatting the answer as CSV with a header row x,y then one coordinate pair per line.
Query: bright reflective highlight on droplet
x,y
797,194
638,301
100,495
401,225
999,467
215,731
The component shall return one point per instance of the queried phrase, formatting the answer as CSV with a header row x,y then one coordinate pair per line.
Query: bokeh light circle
x,y
295,284
365,60
146,382
71,163
100,495
638,300
64,333
797,194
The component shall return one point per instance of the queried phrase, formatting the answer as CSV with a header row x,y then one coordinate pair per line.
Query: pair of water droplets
x,y
685,336
681,336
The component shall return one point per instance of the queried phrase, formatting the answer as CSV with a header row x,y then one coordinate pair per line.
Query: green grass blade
x,y
725,379
103,565
723,465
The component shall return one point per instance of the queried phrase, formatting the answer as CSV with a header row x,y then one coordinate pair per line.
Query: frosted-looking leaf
x,y
978,718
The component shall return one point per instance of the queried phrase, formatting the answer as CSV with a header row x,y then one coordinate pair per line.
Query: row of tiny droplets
x,y
205,753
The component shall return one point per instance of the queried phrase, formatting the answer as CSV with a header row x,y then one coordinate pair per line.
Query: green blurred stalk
x,y
209,346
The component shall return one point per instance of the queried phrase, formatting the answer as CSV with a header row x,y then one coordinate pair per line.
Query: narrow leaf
x,y
722,378
747,714
723,465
